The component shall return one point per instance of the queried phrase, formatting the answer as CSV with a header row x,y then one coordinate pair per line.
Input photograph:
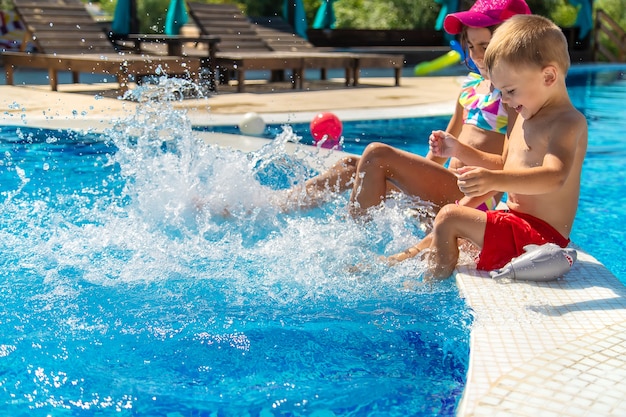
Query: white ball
x,y
252,124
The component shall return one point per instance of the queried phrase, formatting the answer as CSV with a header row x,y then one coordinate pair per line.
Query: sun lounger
x,y
247,45
240,48
280,36
67,38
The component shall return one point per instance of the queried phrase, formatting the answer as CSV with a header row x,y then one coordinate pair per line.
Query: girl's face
x,y
477,42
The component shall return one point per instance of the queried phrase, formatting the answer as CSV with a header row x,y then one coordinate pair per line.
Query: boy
x,y
527,60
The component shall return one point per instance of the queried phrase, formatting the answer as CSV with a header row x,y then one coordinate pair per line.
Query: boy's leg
x,y
452,223
382,165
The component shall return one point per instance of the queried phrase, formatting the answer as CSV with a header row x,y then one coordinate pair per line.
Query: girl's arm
x,y
455,124
443,144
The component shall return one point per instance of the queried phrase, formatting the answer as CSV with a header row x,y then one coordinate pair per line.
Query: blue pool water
x,y
147,274
599,92
151,276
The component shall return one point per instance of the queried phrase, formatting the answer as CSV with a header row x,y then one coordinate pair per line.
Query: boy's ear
x,y
550,75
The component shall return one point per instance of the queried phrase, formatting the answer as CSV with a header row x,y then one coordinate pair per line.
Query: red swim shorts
x,y
507,233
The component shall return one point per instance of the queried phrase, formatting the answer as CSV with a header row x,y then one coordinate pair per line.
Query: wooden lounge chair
x,y
251,45
67,38
240,48
280,36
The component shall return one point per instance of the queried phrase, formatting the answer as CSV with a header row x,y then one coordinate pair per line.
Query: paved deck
x,y
96,103
537,349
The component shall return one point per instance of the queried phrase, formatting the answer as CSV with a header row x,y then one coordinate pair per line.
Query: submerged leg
x,y
411,252
451,224
337,178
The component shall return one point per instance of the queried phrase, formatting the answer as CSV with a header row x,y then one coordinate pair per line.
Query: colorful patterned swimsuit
x,y
485,111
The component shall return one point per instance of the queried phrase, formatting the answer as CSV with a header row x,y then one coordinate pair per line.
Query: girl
x,y
480,120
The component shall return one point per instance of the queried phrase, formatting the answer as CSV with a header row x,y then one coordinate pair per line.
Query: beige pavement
x,y
92,106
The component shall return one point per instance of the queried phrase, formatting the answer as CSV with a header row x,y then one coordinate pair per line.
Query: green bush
x,y
370,14
392,14
614,8
151,14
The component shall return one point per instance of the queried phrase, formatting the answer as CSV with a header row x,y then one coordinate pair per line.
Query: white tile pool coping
x,y
546,349
536,349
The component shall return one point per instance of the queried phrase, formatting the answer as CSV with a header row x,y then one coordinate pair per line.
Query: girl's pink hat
x,y
484,13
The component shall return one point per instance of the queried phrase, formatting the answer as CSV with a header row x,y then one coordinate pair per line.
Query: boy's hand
x,y
442,144
474,181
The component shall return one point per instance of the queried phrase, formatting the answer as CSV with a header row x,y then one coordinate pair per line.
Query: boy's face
x,y
522,87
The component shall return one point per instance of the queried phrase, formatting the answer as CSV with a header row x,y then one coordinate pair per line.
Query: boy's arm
x,y
550,175
475,202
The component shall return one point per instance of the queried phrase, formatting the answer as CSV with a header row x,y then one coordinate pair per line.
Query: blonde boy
x,y
542,159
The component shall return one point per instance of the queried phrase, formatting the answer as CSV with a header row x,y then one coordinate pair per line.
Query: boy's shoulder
x,y
564,114
570,117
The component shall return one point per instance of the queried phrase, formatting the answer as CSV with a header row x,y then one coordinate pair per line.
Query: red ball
x,y
326,125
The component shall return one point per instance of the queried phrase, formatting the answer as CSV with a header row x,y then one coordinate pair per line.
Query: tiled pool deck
x,y
537,349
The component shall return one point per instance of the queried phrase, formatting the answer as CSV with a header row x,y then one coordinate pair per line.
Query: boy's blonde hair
x,y
528,40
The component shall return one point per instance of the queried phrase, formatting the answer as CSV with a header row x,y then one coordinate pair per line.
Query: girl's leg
x,y
452,223
338,178
382,165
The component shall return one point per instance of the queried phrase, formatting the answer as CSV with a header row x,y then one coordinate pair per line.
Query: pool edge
x,y
555,348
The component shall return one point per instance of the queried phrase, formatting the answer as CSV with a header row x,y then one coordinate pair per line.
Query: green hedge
x,y
371,14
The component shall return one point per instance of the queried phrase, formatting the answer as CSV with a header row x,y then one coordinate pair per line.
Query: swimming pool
x,y
598,92
145,273
121,298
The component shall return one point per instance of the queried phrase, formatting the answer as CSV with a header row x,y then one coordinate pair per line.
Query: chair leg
x,y
298,78
355,75
214,80
8,70
323,74
398,73
224,75
123,80
75,77
295,77
207,71
241,76
54,80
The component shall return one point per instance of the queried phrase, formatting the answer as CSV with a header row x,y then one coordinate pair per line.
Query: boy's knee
x,y
446,214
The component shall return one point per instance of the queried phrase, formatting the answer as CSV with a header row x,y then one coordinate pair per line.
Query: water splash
x,y
159,265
